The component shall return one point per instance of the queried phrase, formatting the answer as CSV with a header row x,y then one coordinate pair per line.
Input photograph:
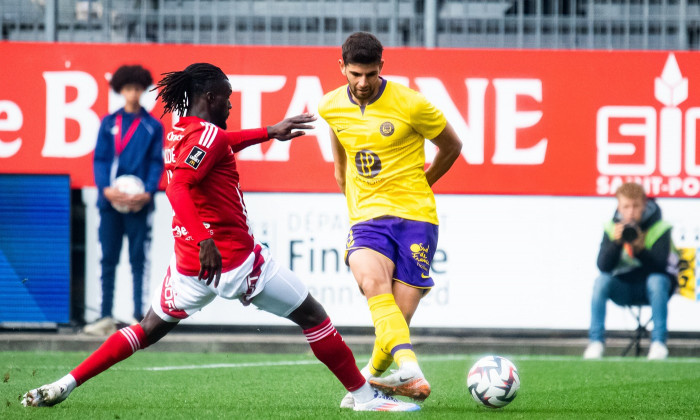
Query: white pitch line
x,y
234,365
282,363
428,358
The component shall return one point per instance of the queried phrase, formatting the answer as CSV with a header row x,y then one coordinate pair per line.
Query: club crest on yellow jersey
x,y
386,129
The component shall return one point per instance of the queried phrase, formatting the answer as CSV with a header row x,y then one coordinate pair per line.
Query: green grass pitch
x,y
157,385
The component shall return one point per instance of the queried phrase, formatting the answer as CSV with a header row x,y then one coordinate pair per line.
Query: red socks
x,y
325,341
116,348
328,346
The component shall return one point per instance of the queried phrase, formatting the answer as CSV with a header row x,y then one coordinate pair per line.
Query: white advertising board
x,y
502,261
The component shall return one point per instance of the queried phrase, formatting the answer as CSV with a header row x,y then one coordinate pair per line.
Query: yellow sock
x,y
380,360
405,355
391,328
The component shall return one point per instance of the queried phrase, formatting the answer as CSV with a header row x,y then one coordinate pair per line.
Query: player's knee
x,y
309,314
155,328
373,286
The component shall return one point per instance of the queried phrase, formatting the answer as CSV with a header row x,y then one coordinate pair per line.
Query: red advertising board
x,y
532,122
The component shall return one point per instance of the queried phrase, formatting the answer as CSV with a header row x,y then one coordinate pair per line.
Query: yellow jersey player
x,y
378,131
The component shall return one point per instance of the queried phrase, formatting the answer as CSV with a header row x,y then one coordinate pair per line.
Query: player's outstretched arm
x,y
449,148
283,129
239,140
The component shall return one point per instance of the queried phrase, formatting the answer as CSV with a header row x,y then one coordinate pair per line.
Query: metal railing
x,y
567,24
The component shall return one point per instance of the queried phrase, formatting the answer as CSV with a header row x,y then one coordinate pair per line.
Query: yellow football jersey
x,y
384,144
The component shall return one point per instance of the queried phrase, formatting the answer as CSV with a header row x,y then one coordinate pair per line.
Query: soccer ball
x,y
493,381
128,184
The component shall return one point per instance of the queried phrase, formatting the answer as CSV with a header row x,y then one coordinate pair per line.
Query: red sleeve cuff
x,y
239,140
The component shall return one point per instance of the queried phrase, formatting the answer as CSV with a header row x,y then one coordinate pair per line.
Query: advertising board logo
x,y
644,145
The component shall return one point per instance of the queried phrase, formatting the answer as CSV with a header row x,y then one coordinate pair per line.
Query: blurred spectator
x,y
637,263
130,142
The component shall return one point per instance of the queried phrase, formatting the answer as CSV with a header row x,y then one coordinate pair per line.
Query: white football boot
x,y
383,402
47,395
408,381
348,401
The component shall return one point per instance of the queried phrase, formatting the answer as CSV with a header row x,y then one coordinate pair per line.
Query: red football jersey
x,y
204,192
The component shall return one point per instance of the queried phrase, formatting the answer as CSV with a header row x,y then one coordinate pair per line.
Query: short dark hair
x,y
177,88
362,48
126,75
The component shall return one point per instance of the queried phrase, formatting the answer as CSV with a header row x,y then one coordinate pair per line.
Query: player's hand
x,y
209,262
115,197
136,202
283,129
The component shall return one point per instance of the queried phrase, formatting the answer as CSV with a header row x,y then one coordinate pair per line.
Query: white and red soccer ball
x,y
493,381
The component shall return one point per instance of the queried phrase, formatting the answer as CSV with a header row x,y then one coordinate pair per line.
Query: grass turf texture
x,y
255,386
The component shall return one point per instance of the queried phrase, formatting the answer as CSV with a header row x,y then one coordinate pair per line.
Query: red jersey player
x,y
215,251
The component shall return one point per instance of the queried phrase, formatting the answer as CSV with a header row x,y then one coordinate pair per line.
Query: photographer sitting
x,y
637,262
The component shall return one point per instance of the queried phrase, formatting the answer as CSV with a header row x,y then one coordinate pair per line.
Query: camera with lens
x,y
630,232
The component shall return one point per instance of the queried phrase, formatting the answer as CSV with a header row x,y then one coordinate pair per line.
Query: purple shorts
x,y
408,243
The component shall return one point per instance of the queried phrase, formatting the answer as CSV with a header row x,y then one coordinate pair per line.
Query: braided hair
x,y
177,87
